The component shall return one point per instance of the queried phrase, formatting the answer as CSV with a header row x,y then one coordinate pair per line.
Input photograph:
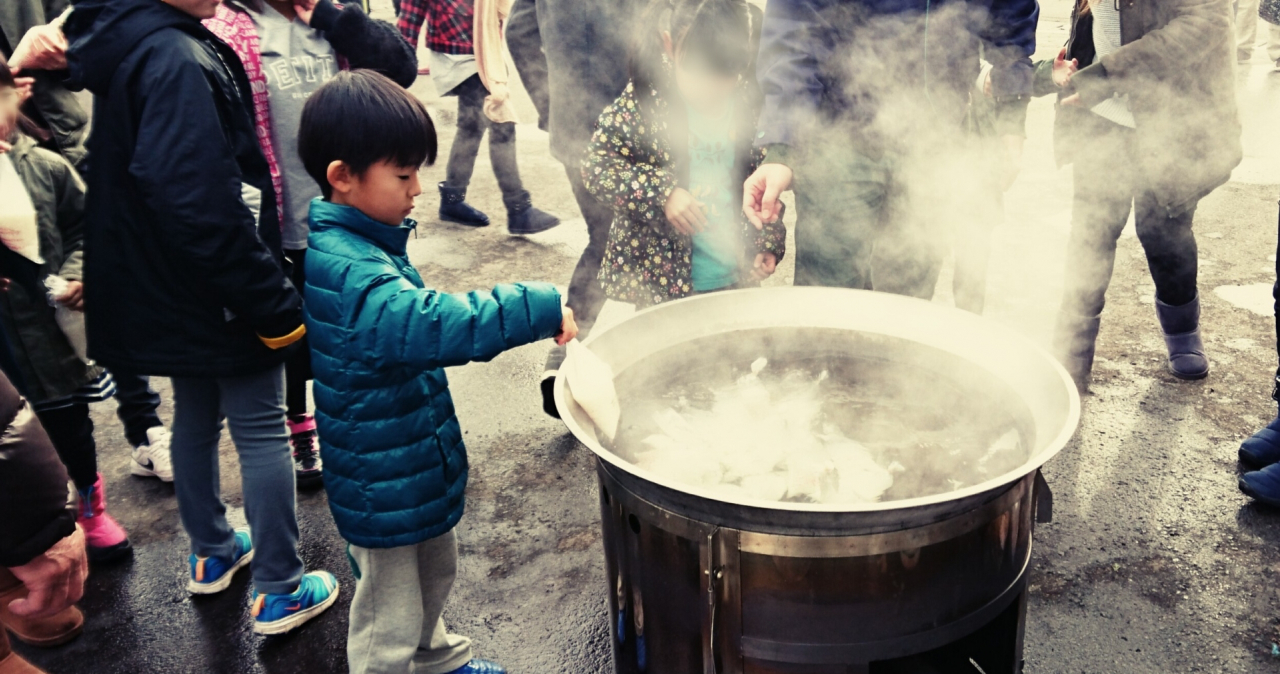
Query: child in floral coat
x,y
670,156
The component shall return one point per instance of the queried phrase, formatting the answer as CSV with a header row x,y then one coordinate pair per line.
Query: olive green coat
x,y
48,363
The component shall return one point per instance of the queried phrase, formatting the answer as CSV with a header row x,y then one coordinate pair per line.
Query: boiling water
x,y
822,430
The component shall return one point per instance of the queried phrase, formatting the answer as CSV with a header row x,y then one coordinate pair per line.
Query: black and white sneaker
x,y
306,452
152,459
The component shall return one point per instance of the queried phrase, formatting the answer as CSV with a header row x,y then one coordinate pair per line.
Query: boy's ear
x,y
340,176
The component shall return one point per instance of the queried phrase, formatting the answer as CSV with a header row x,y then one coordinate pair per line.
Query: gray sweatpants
x,y
395,625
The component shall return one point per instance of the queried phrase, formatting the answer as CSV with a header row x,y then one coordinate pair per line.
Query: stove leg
x,y
998,649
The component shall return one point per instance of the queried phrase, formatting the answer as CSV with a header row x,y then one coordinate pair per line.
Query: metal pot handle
x,y
1044,499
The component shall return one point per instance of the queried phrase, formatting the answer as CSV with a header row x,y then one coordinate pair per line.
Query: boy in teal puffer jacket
x,y
394,464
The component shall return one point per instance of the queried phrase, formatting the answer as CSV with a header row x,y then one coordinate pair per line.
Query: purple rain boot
x,y
1181,326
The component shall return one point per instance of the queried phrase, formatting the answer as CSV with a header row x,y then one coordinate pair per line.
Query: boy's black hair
x,y
361,118
715,35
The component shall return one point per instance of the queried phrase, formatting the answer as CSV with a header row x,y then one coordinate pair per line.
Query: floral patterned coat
x,y
636,158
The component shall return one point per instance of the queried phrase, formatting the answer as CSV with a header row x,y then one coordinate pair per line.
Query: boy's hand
x,y
1064,69
568,328
74,297
684,212
765,265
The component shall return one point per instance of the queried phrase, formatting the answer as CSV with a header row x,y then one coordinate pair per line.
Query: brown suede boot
x,y
12,663
57,629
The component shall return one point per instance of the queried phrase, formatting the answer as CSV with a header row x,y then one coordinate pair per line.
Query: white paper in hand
x,y
18,229
590,380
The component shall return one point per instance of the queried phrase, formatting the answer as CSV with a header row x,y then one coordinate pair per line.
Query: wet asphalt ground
x,y
1154,562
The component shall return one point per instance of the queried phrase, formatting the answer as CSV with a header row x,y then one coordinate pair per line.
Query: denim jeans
x,y
136,405
859,223
466,144
253,407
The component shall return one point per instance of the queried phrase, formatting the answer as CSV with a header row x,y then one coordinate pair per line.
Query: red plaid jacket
x,y
449,30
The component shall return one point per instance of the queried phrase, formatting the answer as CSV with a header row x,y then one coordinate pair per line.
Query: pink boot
x,y
104,537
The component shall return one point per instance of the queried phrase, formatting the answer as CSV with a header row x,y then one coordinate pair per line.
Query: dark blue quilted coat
x,y
395,467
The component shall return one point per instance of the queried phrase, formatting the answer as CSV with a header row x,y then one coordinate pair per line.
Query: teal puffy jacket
x,y
395,467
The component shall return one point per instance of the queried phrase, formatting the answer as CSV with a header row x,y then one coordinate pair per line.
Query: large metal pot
x,y
704,583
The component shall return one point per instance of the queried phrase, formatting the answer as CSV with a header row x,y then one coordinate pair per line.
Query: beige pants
x,y
395,625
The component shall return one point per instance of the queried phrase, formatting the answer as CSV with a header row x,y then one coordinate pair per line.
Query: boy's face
x,y
385,192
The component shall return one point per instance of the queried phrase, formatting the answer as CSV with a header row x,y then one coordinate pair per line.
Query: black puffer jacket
x,y
181,274
33,484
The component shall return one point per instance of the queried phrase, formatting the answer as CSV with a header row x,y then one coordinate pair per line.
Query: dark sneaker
x,y
1263,448
1263,485
306,452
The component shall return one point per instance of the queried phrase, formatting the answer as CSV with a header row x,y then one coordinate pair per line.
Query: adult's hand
x,y
54,580
761,191
42,48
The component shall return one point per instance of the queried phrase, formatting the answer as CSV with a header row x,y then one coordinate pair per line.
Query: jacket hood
x,y
326,215
101,33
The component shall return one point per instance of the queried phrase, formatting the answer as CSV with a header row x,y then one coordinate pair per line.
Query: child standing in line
x,y
395,465
59,385
289,48
184,279
671,154
468,61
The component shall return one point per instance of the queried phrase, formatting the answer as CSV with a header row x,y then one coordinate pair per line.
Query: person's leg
x,y
71,430
979,211
197,425
439,651
471,128
1262,449
136,406
585,296
1246,25
410,15
522,217
840,195
1099,212
525,42
297,372
1272,32
462,156
1170,246
254,409
385,622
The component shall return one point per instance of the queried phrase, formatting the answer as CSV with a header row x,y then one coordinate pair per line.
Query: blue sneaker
x,y
279,613
210,575
480,667
1263,448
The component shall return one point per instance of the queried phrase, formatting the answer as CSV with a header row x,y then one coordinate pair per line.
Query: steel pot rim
x,y
564,404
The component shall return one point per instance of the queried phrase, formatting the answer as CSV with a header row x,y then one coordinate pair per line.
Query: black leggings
x,y
1107,186
71,431
466,144
297,369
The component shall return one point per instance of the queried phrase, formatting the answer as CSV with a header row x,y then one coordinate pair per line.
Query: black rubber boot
x,y
1075,340
523,218
454,208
